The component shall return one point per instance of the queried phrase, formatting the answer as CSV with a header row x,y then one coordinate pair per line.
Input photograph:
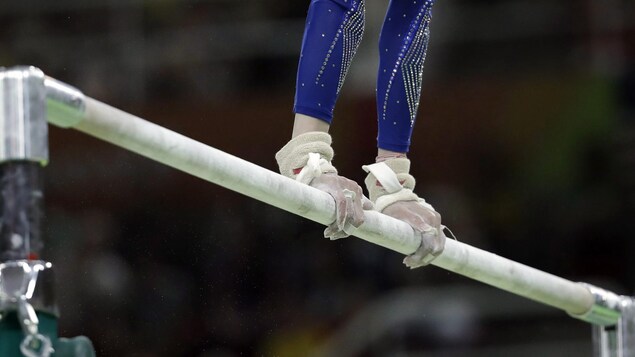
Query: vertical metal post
x,y
23,152
28,324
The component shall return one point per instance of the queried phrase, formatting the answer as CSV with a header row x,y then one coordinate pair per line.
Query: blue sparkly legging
x,y
332,34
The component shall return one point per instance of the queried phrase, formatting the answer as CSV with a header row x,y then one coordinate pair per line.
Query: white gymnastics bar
x,y
612,315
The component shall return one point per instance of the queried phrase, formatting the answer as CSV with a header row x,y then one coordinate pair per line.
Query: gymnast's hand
x,y
350,203
390,188
423,219
307,159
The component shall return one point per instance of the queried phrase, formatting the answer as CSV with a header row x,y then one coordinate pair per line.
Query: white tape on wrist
x,y
314,167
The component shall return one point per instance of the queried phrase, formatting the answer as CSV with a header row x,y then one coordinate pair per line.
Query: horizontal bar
x,y
157,143
213,165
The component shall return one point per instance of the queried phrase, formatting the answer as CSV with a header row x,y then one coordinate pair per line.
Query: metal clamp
x,y
23,126
606,309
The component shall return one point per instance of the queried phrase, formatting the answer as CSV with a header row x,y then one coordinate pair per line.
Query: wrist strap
x,y
385,176
294,156
389,182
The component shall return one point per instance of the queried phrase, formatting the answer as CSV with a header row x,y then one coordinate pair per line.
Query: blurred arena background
x,y
525,143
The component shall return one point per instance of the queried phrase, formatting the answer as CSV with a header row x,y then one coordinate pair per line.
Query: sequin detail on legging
x,y
411,59
332,34
350,32
412,69
353,33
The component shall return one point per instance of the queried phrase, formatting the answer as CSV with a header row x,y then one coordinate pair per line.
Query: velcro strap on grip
x,y
385,176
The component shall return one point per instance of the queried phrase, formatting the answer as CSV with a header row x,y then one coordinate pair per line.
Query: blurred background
x,y
525,142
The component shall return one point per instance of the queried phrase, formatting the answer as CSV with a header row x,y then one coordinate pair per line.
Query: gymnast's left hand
x,y
423,219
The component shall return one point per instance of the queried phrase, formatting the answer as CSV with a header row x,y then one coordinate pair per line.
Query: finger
x,y
367,204
428,216
354,216
353,208
432,244
435,241
437,220
432,219
403,212
333,232
342,210
356,212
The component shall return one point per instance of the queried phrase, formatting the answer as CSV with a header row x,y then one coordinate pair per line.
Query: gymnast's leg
x,y
403,43
332,34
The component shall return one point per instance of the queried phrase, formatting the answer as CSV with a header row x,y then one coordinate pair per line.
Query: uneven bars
x,y
69,108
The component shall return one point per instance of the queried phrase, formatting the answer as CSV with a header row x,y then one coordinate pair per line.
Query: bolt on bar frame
x,y
612,315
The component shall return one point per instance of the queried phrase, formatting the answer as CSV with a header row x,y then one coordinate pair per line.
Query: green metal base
x,y
11,337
